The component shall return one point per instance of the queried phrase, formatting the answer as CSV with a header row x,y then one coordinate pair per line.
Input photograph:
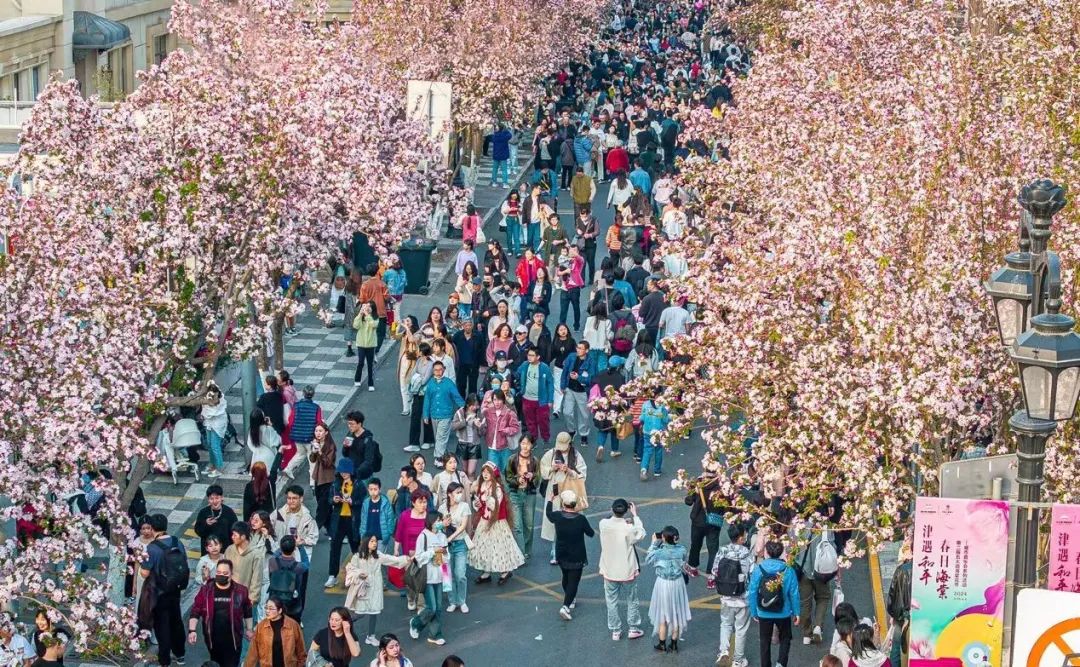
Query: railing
x,y
14,114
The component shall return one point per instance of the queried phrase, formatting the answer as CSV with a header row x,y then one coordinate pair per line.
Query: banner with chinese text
x,y
958,581
1064,557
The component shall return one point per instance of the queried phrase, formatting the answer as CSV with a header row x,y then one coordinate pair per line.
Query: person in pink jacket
x,y
470,222
500,423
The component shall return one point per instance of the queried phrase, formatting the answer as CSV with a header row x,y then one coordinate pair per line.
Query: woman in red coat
x,y
617,160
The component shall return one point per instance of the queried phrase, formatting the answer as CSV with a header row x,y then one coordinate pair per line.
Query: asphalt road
x,y
518,624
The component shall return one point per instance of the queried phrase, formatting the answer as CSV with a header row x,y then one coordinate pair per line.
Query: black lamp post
x,y
1041,342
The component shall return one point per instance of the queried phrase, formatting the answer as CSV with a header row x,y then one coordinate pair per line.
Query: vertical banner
x,y
958,582
1064,560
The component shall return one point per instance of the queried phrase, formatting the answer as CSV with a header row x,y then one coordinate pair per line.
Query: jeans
x,y
570,297
467,377
765,630
571,578
613,590
523,507
504,167
499,457
576,413
459,556
213,442
442,435
344,530
534,236
710,536
431,616
513,235
514,157
169,628
653,453
365,355
737,620
608,438
537,419
817,595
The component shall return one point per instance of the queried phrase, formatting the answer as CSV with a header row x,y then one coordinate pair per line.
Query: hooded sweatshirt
x,y
765,570
871,658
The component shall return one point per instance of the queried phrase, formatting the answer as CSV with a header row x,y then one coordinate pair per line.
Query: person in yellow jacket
x,y
366,324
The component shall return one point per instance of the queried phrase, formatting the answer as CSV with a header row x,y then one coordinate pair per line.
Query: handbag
x,y
315,659
363,589
624,430
481,237
341,304
714,519
577,485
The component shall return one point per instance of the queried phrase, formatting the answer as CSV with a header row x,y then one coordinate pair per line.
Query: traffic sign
x,y
1047,629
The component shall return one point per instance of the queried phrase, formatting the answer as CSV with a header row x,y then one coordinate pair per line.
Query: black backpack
x,y
728,574
771,600
376,459
172,573
285,586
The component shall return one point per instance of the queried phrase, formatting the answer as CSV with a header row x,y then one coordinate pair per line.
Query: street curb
x,y
526,168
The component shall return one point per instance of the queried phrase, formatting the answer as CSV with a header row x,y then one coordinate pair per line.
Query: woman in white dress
x,y
263,441
494,547
364,578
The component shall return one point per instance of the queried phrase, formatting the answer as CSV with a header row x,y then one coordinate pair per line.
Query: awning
x,y
97,32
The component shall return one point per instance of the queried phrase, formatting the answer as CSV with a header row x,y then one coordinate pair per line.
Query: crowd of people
x,y
484,382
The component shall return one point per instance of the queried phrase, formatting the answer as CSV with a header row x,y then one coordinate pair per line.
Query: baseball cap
x,y
500,355
521,328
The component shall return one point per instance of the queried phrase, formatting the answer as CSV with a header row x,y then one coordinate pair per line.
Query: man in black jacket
x,y
359,445
652,306
470,348
216,519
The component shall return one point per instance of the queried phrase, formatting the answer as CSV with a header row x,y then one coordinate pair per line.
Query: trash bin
x,y
362,252
415,255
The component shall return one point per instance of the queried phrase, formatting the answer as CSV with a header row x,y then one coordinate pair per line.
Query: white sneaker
x,y
464,608
451,608
330,582
370,388
573,605
616,635
411,448
438,642
806,641
412,607
816,635
427,445
565,613
358,384
413,632
372,640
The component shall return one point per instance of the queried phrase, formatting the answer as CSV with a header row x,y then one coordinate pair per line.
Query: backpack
x,y
172,573
771,600
624,336
376,460
285,586
826,563
729,577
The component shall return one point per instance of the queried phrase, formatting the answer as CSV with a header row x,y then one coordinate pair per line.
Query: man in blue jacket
x,y
500,155
441,400
537,387
774,602
578,370
641,179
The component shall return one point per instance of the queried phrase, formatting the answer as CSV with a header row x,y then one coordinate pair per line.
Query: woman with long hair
x,y
431,552
337,642
501,341
511,210
323,459
364,579
390,653
434,326
453,319
538,295
467,423
407,330
257,493
494,547
669,608
366,324
263,441
562,346
598,330
503,315
456,512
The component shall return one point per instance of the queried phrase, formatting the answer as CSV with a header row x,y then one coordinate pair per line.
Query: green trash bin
x,y
415,255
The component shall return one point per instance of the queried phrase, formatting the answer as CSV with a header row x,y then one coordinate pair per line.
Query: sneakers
x,y
565,613
464,608
213,473
656,474
616,455
438,463
331,581
371,387
644,475
451,608
635,634
349,352
411,448
438,642
599,454
806,641
616,635
412,607
413,632
372,640
358,383
573,605
179,659
816,636
554,415
427,445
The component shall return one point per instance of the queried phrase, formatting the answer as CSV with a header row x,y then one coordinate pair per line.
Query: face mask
x,y
439,526
222,579
458,496
495,386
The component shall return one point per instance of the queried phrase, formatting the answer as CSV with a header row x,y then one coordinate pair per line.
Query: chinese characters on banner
x,y
958,581
1064,571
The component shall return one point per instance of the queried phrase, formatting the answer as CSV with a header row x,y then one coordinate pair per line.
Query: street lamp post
x,y
1046,351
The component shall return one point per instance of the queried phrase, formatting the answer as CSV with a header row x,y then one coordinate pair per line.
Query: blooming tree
x,y
876,152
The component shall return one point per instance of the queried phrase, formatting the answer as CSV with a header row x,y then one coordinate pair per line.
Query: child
x,y
654,418
364,577
466,424
669,609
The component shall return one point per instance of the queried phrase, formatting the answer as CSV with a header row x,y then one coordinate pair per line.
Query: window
x,y
24,85
161,48
121,67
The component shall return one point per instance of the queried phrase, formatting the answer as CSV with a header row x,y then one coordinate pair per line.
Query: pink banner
x,y
1064,570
